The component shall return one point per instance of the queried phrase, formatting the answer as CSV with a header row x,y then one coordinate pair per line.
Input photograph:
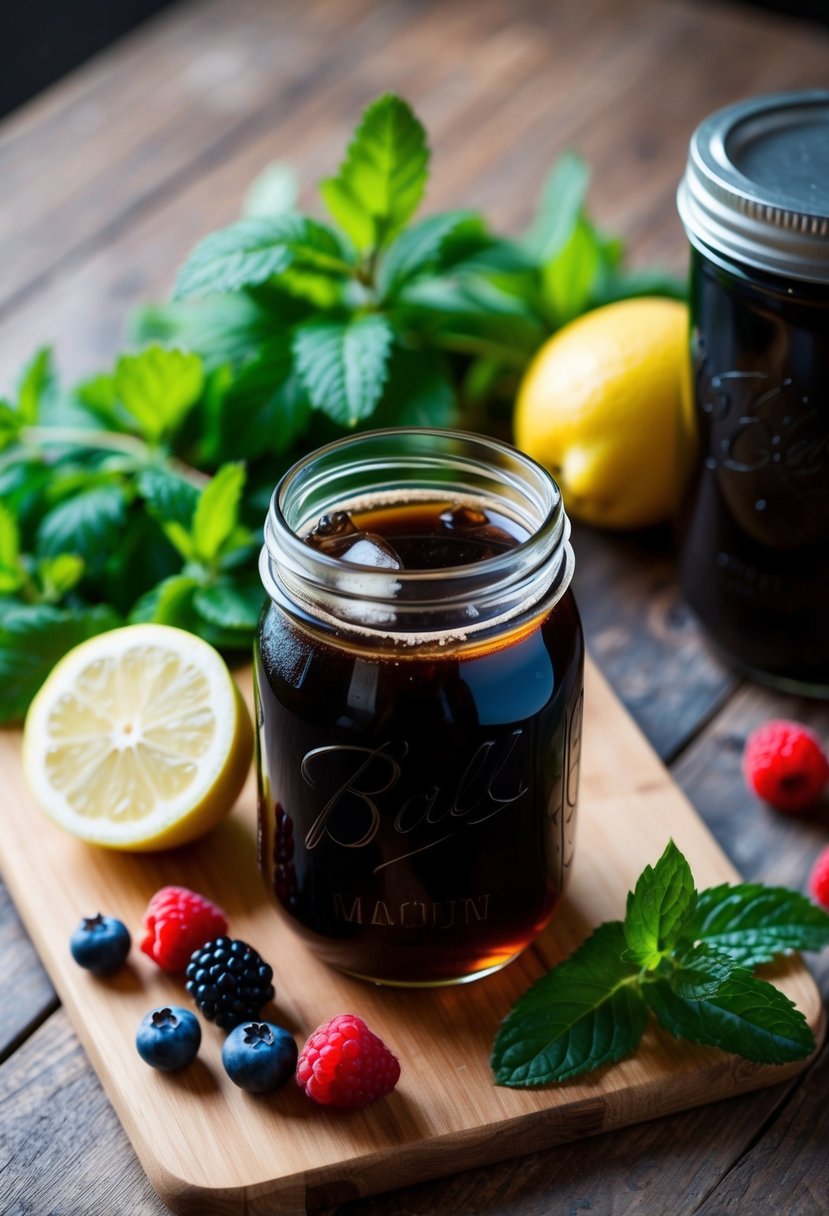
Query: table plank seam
x,y
761,1131
32,1026
702,724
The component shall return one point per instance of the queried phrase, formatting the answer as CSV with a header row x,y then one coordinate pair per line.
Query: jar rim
x,y
368,600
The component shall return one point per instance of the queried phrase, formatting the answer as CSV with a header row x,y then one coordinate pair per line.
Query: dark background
x,y
44,39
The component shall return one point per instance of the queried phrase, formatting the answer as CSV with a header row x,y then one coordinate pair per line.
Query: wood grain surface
x,y
236,1153
109,179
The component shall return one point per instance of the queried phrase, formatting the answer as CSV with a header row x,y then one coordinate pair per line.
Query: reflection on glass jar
x,y
419,687
754,561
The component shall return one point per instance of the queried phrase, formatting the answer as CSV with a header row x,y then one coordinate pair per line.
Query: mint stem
x,y
463,344
110,441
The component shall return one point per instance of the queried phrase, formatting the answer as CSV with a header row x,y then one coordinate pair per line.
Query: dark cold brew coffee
x,y
417,809
419,693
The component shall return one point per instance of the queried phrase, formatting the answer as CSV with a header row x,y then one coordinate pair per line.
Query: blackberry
x,y
229,982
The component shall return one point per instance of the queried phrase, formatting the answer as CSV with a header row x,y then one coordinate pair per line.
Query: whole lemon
x,y
602,407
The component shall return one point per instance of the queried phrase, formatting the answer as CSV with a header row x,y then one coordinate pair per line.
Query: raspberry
x,y
176,923
819,881
345,1064
785,765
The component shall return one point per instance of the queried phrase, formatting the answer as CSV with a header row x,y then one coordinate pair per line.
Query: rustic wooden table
x,y
106,182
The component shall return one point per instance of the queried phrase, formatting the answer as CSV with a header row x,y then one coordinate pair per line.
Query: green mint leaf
x,y
659,908
247,252
32,639
471,248
482,379
616,285
144,558
217,512
251,251
416,251
315,290
559,208
584,1013
168,498
12,573
209,448
98,396
221,329
274,192
745,1016
701,971
179,538
419,391
470,316
231,605
36,382
266,409
11,425
59,574
567,280
159,387
755,923
434,304
240,549
88,524
344,365
381,182
169,603
24,482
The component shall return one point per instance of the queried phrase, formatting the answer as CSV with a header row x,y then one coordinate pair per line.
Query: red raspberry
x,y
176,923
345,1064
819,881
785,765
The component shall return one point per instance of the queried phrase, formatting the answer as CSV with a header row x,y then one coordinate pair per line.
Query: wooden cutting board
x,y
209,1147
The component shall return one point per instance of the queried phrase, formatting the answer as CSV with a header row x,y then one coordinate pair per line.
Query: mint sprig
x,y
285,331
678,955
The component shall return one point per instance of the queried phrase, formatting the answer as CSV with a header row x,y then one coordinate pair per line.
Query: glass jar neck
x,y
447,606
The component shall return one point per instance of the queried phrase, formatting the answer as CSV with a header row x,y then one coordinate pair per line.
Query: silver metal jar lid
x,y
756,187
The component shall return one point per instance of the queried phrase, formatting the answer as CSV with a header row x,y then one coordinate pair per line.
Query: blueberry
x,y
100,944
259,1056
168,1038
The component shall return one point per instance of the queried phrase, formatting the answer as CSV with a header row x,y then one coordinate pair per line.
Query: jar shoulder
x,y
508,683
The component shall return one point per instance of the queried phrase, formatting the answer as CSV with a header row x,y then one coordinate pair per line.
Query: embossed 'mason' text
x,y
412,914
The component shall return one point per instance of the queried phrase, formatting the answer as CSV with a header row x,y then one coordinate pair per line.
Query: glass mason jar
x,y
419,728
754,561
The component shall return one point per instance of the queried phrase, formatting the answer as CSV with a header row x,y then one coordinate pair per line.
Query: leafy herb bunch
x,y
138,494
688,958
378,318
101,522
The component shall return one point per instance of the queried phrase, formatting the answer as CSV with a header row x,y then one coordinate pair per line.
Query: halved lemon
x,y
139,739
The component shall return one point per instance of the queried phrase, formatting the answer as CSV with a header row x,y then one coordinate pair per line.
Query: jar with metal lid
x,y
419,693
754,561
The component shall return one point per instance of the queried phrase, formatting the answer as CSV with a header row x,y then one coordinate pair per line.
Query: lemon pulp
x,y
138,739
